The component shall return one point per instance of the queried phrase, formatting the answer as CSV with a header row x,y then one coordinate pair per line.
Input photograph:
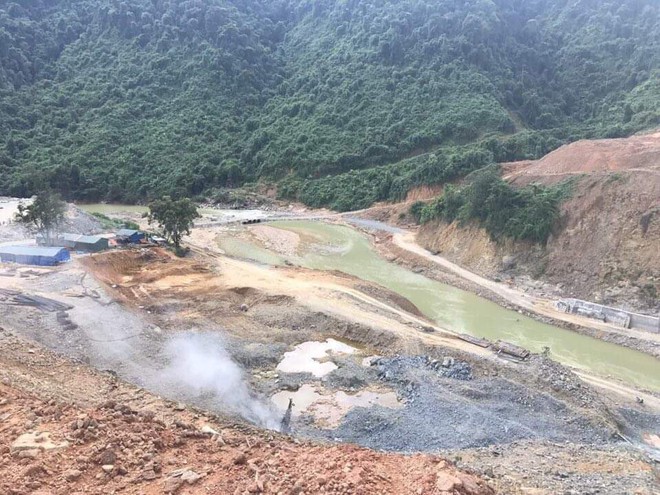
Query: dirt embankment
x,y
605,247
68,429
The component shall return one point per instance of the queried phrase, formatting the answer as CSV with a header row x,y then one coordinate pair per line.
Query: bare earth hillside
x,y
606,245
69,429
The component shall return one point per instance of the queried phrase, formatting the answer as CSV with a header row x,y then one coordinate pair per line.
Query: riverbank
x,y
398,245
393,236
337,247
399,249
394,241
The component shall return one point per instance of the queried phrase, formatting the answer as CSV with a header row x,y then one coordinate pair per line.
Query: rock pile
x,y
394,369
147,447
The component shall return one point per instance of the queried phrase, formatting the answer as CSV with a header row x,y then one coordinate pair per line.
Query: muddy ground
x,y
151,319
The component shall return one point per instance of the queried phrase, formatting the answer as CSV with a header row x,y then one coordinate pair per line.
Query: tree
x,y
174,217
43,215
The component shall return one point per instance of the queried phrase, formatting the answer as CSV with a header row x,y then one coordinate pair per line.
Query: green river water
x,y
338,247
113,209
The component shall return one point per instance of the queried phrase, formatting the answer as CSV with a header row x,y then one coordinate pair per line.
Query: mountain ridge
x,y
124,102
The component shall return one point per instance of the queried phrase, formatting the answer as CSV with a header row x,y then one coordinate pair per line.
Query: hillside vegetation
x,y
342,103
527,213
604,245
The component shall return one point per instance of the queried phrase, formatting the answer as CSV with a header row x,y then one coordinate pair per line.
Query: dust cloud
x,y
191,366
200,365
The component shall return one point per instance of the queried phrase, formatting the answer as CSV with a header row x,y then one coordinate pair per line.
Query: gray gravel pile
x,y
563,469
394,369
561,379
78,221
350,375
441,412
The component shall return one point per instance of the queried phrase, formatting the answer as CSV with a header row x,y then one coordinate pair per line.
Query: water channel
x,y
337,247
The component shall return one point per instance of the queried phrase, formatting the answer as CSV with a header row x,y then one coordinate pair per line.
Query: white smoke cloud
x,y
201,368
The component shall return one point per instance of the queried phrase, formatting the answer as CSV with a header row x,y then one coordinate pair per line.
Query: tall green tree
x,y
174,217
43,215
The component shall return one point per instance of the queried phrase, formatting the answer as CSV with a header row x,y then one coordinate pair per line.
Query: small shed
x,y
28,255
129,236
158,240
86,243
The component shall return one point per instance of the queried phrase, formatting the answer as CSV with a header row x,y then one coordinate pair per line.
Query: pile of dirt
x,y
605,245
77,221
128,271
637,153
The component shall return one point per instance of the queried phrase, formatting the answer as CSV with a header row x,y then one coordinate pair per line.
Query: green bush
x,y
108,223
529,213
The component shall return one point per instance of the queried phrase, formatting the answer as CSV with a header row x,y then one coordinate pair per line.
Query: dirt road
x,y
514,296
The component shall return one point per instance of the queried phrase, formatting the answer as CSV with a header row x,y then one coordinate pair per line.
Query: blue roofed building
x,y
29,255
76,242
129,236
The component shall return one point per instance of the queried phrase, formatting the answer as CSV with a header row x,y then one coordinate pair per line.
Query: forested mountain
x,y
343,102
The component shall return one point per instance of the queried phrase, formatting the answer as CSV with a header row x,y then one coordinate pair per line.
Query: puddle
x,y
328,410
313,357
304,397
327,407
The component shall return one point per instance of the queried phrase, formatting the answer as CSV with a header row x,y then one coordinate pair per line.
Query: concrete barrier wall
x,y
619,317
645,322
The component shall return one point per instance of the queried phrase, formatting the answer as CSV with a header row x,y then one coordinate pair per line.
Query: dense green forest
x,y
341,102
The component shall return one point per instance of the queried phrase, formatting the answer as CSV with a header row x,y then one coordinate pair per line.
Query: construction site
x,y
274,343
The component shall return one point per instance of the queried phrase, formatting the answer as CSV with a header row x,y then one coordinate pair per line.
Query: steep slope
x,y
134,99
126,101
605,246
75,430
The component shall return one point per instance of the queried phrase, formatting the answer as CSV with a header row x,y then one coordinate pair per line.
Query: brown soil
x,y
206,290
113,437
152,440
638,153
421,193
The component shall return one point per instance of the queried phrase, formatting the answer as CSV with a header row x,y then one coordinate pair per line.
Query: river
x,y
337,247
